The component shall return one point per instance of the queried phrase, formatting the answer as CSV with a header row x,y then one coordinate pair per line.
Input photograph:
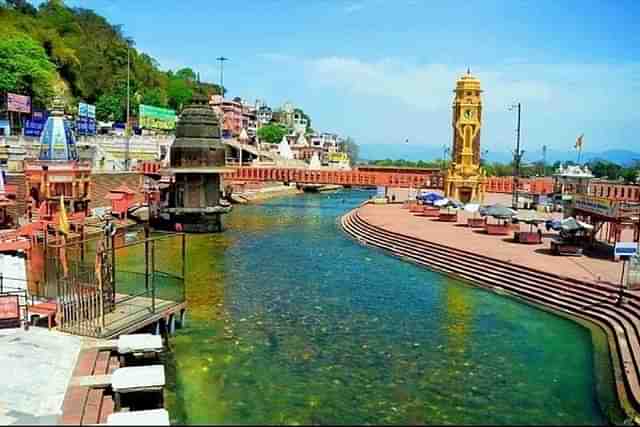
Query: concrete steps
x,y
591,301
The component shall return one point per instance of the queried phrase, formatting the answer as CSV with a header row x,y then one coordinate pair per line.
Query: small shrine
x,y
465,180
572,179
58,174
122,199
191,201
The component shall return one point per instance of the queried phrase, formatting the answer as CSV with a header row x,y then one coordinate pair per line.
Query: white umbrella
x,y
472,207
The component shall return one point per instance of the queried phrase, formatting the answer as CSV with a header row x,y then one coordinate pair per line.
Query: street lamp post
x,y
517,157
127,130
445,153
221,59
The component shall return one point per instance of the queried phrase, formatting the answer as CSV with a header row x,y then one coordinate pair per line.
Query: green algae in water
x,y
290,322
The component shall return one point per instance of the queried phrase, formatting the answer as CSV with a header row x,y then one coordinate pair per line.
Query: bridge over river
x,y
367,176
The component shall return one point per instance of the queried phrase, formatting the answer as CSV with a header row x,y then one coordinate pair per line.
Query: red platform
x,y
498,229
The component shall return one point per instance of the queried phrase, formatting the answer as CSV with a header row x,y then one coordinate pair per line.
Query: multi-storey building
x,y
230,113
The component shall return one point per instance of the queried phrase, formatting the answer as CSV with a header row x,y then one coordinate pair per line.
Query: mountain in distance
x,y
415,152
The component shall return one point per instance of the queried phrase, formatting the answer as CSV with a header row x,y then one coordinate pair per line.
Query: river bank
x,y
461,252
258,192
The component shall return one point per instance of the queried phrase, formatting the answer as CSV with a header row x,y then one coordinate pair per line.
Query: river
x,y
292,322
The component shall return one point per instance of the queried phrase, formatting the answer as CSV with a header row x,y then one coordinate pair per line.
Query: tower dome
x,y
57,141
197,143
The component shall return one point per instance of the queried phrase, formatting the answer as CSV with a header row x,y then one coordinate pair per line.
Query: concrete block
x,y
139,343
138,378
151,417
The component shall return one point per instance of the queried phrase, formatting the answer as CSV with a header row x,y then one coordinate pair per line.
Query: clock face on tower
x,y
468,114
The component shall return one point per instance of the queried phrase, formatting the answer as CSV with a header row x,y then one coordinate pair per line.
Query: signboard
x,y
9,307
34,125
597,205
157,118
86,123
18,103
625,249
87,110
5,129
60,178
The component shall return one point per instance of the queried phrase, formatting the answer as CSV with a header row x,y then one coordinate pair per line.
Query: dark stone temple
x,y
191,202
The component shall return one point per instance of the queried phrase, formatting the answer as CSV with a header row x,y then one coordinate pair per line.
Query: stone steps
x,y
591,301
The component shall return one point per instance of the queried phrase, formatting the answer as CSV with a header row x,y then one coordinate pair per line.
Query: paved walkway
x,y
36,367
394,218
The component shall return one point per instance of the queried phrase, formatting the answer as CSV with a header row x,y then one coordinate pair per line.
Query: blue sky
x,y
383,71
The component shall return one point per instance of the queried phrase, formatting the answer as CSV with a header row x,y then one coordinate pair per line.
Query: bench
x,y
47,310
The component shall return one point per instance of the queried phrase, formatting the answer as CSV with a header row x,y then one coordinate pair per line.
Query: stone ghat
x,y
591,301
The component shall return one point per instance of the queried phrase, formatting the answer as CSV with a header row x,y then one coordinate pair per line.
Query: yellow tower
x,y
465,180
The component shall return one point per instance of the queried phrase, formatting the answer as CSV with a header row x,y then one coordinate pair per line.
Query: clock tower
x,y
465,180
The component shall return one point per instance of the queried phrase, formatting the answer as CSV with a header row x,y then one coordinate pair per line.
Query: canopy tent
x,y
429,197
498,211
472,208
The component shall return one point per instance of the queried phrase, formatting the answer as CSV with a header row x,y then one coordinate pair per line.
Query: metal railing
x,y
93,305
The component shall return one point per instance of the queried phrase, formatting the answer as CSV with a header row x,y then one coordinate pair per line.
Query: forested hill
x,y
76,53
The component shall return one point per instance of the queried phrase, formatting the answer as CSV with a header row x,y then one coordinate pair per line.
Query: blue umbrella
x,y
429,197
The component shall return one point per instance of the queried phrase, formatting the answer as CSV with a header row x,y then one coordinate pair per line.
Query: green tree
x,y
179,93
154,96
272,133
605,169
25,68
109,107
629,175
352,149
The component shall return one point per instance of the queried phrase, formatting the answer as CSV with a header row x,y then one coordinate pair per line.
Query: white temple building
x,y
284,150
314,163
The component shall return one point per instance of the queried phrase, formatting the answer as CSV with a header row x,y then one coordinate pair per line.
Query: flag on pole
x,y
578,145
63,222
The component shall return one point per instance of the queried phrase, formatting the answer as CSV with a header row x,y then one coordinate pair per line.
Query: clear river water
x,y
292,322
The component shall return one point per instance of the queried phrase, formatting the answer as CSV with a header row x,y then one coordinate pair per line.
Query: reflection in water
x,y
292,322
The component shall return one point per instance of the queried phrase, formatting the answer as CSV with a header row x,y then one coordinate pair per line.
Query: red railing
x,y
398,178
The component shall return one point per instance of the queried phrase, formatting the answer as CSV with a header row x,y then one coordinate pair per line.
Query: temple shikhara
x,y
191,201
58,174
465,180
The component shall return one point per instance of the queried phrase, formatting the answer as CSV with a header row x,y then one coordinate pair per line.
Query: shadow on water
x,y
291,322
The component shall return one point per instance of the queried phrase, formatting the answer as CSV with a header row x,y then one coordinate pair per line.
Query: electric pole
x,y
127,130
222,59
517,157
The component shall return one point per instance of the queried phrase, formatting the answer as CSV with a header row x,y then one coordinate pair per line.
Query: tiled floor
x,y
394,218
36,366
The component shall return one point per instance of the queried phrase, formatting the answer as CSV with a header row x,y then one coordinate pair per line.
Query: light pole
x,y
517,156
222,59
445,153
127,130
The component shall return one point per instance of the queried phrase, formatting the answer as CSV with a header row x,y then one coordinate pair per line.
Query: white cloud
x,y
428,87
559,100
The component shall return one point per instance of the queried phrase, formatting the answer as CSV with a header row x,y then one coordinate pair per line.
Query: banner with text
x,y
596,205
18,103
157,118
